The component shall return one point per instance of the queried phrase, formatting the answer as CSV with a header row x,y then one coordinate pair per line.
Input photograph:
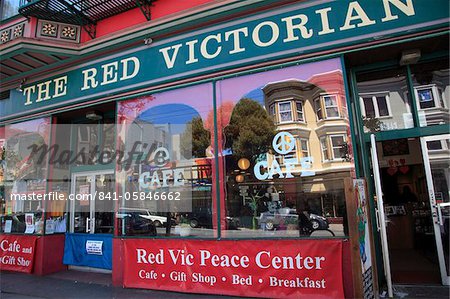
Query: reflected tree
x,y
195,139
250,131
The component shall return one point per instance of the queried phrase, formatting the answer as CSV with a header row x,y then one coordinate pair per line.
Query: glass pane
x,y
338,149
285,116
270,192
392,85
318,109
285,106
440,173
330,101
104,208
383,109
87,142
82,214
369,108
332,112
432,91
170,170
25,175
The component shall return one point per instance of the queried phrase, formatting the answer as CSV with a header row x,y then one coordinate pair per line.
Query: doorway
x,y
92,214
436,154
411,214
89,244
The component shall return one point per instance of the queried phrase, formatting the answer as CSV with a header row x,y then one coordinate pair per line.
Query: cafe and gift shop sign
x,y
17,253
255,268
301,28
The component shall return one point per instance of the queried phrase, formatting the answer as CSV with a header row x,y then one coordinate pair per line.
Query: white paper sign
x,y
94,247
49,227
8,226
29,220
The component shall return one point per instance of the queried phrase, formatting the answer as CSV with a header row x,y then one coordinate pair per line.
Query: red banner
x,y
17,252
254,268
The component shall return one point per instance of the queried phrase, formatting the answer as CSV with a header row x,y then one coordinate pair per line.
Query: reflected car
x,y
157,220
284,216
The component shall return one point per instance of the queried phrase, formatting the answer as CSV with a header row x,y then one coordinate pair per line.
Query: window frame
x,y
325,107
376,108
324,148
306,141
303,120
436,97
332,147
290,111
318,108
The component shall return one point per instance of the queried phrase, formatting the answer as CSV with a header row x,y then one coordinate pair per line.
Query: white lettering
x,y
273,39
43,91
325,23
407,8
27,92
60,87
360,15
89,79
192,58
110,73
305,32
204,45
124,63
170,60
236,39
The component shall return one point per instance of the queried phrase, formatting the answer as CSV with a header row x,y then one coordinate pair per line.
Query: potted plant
x,y
291,223
184,227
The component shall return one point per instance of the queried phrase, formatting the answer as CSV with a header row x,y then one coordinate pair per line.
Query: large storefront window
x,y
166,182
285,143
25,177
384,100
432,92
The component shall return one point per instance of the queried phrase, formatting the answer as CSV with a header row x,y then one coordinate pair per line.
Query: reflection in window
x,y
277,182
432,91
337,143
175,169
374,106
384,101
304,147
300,116
318,107
25,174
324,148
331,106
285,111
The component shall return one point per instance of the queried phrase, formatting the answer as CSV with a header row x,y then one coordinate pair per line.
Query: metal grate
x,y
82,12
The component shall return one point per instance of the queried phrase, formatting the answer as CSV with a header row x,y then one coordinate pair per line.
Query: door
x,y
92,209
436,155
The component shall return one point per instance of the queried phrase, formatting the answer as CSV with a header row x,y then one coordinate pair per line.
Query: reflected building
x,y
318,119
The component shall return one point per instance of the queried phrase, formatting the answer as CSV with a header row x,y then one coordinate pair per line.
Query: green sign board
x,y
297,29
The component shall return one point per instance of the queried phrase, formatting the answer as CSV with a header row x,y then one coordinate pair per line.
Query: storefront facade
x,y
234,157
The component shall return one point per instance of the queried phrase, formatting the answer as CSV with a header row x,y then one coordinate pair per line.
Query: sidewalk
x,y
74,284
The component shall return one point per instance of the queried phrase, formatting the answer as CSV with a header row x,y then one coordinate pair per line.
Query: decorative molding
x,y
49,29
58,31
12,32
